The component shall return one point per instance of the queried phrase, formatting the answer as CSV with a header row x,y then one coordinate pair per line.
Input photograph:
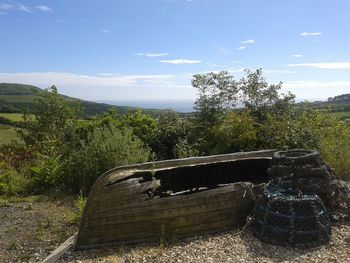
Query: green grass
x,y
12,116
7,134
341,115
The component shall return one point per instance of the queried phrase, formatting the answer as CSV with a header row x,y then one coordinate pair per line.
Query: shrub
x,y
334,144
170,137
311,130
11,182
104,149
46,174
183,149
236,133
79,204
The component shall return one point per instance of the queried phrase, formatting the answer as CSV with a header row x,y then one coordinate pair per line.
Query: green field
x,y
341,115
7,134
17,117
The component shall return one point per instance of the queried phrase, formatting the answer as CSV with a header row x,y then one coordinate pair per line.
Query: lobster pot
x,y
304,170
288,217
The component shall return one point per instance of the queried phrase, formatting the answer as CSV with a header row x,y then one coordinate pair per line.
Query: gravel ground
x,y
225,247
32,227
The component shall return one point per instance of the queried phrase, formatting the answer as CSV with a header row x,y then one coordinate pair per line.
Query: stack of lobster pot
x,y
305,170
302,192
286,216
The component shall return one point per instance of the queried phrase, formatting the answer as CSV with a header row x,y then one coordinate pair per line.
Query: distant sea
x,y
176,105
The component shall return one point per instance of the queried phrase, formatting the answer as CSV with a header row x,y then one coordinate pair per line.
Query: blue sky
x,y
149,49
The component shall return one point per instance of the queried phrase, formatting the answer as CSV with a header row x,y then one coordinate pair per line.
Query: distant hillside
x,y
344,98
17,97
17,89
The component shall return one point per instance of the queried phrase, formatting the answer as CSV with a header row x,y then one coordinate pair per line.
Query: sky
x,y
150,49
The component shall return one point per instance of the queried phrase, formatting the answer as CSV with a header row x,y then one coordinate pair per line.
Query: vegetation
x,y
58,149
15,98
14,117
7,134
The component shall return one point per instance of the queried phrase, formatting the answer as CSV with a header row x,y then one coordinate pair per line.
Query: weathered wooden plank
x,y
122,231
156,233
172,202
121,185
199,204
176,221
208,208
135,194
138,187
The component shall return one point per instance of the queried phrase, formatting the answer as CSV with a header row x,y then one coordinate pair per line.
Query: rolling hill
x,y
18,97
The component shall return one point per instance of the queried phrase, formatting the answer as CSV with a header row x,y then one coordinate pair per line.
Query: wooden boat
x,y
184,197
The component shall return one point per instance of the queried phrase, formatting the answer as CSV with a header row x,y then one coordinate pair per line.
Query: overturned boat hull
x,y
185,197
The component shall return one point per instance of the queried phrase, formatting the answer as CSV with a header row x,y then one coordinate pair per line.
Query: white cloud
x,y
316,90
305,34
5,7
43,8
296,55
212,65
332,65
180,61
277,71
265,71
71,79
153,55
20,7
242,47
316,84
239,70
248,41
109,86
235,61
104,30
24,8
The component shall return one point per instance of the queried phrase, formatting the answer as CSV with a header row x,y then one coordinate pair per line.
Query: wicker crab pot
x,y
285,216
305,170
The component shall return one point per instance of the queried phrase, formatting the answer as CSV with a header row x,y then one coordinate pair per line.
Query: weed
x,y
25,258
42,227
11,229
79,204
28,207
12,246
167,237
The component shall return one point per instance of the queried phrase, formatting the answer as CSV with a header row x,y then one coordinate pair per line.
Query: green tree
x,y
217,93
237,132
52,124
172,137
142,125
261,98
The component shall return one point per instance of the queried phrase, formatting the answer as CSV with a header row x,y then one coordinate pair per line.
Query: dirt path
x,y
32,227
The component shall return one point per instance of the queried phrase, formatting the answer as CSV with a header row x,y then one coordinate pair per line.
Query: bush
x,y
79,204
311,130
171,138
105,148
11,182
46,174
236,133
334,144
184,149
